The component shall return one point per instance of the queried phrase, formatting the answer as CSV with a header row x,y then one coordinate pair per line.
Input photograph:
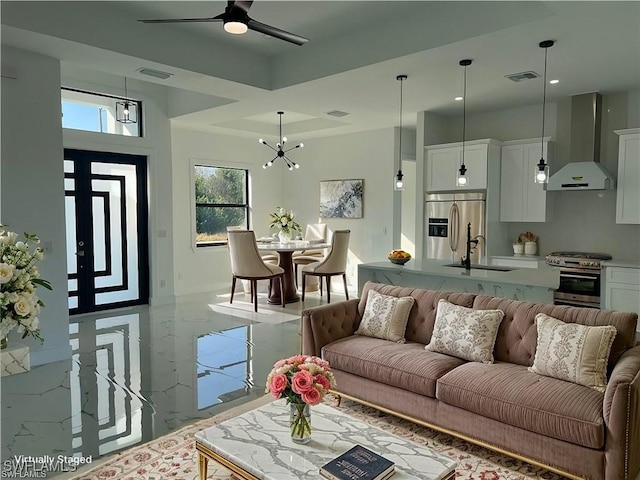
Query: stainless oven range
x,y
580,274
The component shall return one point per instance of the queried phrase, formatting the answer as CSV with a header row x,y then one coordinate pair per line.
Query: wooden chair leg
x,y
295,273
344,280
282,291
328,288
304,281
254,289
320,282
233,288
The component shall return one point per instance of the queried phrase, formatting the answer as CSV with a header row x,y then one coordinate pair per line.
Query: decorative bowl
x,y
399,261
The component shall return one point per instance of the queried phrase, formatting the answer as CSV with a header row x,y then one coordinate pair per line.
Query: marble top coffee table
x,y
257,445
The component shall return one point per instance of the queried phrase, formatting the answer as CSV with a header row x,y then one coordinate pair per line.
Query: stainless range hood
x,y
585,171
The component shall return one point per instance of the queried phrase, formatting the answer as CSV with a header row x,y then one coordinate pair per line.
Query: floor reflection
x,y
136,374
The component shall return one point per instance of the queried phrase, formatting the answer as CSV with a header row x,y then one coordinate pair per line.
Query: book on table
x,y
358,463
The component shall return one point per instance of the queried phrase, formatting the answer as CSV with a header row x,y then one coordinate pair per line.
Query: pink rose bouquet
x,y
302,380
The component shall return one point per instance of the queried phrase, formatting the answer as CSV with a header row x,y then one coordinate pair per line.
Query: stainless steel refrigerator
x,y
446,219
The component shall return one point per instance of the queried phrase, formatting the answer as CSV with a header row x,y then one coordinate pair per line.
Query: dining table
x,y
285,261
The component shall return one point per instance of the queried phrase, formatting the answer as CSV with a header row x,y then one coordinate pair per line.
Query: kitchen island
x,y
531,285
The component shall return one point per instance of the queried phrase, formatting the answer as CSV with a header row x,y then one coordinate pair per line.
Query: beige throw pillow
x,y
573,352
465,333
385,317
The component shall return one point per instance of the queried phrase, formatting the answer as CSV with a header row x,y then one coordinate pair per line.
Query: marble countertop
x,y
621,263
541,277
520,257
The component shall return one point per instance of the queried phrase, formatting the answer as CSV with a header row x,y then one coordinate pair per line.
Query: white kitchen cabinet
x,y
622,289
522,200
628,194
443,162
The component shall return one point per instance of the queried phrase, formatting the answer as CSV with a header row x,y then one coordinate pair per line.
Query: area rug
x,y
272,314
174,457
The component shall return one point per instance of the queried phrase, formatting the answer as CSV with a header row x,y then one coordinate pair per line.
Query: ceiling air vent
x,y
154,73
522,76
337,113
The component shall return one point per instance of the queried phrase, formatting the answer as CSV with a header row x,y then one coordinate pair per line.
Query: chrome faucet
x,y
466,261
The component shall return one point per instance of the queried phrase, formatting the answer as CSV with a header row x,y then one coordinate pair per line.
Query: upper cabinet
x,y
443,163
522,200
628,195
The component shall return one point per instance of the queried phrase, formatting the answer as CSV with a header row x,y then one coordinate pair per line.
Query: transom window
x,y
221,197
96,112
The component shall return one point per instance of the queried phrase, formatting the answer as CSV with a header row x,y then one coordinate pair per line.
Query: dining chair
x,y
270,258
246,264
335,263
314,231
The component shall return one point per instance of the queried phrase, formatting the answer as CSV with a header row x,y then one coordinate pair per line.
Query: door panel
x,y
106,212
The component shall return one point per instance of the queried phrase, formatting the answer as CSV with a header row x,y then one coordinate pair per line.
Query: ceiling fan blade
x,y
276,32
184,20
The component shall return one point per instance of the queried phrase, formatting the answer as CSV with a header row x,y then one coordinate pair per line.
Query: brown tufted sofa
x,y
568,428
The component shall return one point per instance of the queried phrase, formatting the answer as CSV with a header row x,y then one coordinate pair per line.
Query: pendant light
x,y
399,184
541,170
280,151
461,181
126,110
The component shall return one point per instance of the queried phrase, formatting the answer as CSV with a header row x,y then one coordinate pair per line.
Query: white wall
x,y
367,155
32,186
207,268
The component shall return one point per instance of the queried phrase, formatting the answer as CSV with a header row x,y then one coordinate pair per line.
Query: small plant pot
x,y
530,248
518,248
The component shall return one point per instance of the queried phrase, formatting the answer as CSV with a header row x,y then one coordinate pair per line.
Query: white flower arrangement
x,y
19,279
284,221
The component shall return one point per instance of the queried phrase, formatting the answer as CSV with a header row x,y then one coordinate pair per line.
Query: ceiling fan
x,y
236,20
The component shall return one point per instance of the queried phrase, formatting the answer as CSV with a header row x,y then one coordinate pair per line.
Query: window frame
x,y
247,206
115,98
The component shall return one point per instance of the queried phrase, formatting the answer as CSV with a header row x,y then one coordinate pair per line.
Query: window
x,y
95,112
221,196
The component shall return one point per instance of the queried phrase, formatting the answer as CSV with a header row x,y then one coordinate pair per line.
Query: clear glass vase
x,y
300,422
284,237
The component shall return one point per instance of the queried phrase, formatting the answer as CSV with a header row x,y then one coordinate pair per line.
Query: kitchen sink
x,y
481,267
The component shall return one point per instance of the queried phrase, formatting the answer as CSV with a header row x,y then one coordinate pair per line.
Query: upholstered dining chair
x,y
271,258
246,264
314,231
335,263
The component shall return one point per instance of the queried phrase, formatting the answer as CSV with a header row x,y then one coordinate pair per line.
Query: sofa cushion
x,y
385,316
465,332
517,336
511,394
423,313
406,366
573,352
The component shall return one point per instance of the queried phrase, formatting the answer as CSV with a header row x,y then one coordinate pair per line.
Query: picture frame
x,y
341,198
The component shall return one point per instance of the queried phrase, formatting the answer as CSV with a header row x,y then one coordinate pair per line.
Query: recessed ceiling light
x,y
458,99
553,82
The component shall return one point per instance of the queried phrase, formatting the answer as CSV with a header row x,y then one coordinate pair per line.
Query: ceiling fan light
x,y
235,27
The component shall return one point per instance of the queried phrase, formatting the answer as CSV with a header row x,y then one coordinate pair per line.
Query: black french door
x,y
107,230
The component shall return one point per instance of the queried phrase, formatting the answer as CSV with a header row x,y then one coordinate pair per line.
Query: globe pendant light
x,y
399,184
126,110
541,170
461,181
280,151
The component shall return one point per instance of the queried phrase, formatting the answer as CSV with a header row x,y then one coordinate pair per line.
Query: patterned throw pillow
x,y
573,352
465,333
385,317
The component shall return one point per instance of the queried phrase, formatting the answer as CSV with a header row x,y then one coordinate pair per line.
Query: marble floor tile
x,y
138,373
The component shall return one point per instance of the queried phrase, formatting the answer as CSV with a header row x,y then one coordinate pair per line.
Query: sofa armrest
x,y
326,323
621,411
